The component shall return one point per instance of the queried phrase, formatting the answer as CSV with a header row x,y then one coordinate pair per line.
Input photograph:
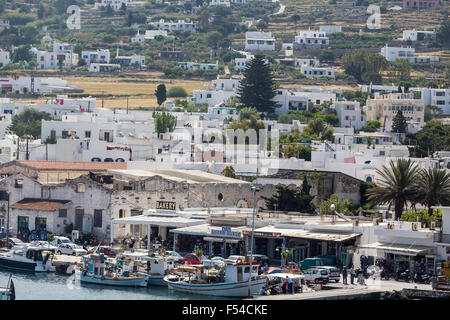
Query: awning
x,y
227,240
304,234
164,221
207,230
400,249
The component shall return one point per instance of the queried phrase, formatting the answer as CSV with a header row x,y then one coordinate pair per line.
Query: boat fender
x,y
115,278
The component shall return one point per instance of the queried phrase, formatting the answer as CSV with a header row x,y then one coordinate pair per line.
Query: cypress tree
x,y
399,124
257,88
161,94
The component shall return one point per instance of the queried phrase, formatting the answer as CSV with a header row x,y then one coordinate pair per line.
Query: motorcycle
x,y
422,278
402,275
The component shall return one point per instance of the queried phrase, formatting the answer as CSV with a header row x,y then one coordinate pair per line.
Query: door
x,y
87,224
239,273
79,213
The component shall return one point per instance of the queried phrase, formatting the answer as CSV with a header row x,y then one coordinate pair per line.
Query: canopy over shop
x,y
305,243
400,256
162,221
229,239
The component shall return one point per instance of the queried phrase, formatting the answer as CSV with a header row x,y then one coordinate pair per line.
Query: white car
x,y
71,249
316,275
39,243
333,272
60,240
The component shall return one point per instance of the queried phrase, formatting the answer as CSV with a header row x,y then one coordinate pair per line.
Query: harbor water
x,y
51,286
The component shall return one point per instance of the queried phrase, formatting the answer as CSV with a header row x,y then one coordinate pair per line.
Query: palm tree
x,y
397,186
433,188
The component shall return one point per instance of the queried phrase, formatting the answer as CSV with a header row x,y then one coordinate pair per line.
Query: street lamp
x,y
254,190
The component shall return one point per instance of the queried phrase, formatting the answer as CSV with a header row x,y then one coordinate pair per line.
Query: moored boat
x,y
9,292
95,270
28,258
232,280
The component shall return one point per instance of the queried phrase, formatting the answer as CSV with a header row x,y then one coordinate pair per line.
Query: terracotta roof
x,y
39,204
74,166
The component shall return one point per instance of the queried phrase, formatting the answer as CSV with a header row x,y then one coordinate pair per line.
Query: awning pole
x,y
112,233
149,229
175,241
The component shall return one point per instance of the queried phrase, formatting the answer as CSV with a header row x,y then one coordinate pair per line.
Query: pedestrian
x,y
266,268
284,286
352,275
344,275
289,281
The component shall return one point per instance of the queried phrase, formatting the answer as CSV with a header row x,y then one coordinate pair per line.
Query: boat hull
x,y
228,289
156,281
121,282
25,265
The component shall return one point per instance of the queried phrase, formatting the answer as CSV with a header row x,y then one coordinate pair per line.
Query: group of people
x,y
352,272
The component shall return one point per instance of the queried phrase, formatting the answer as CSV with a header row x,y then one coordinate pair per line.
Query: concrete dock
x,y
65,264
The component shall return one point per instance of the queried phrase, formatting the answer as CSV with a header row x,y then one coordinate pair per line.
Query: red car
x,y
191,258
107,251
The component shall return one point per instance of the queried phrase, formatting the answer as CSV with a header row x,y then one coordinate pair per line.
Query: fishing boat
x,y
95,269
230,281
154,267
9,292
28,258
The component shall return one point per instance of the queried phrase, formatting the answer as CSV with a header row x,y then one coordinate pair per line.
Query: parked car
x,y
333,272
60,240
71,249
310,262
191,258
45,244
106,250
11,243
222,259
236,258
261,259
175,255
316,275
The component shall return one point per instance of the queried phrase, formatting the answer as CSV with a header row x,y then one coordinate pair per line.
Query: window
x,y
121,213
81,187
19,183
87,134
97,218
62,213
40,223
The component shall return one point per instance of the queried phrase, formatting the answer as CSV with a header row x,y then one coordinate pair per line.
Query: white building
x,y
436,97
259,41
130,61
104,67
312,38
27,84
61,57
317,71
349,113
415,35
225,84
240,64
199,66
328,29
98,56
115,4
4,58
223,3
4,23
393,53
180,25
211,97
289,100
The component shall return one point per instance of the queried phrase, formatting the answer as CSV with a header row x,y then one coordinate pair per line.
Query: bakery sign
x,y
166,205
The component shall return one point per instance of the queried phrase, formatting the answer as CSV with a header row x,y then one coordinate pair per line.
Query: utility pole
x,y
254,189
17,153
127,104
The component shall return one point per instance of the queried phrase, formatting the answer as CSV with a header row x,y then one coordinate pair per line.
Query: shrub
x,y
177,92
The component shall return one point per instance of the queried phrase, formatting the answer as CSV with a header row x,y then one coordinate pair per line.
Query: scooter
x,y
422,278
402,275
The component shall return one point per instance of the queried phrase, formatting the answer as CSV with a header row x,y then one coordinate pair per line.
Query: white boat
x,y
96,270
9,292
155,268
231,281
28,258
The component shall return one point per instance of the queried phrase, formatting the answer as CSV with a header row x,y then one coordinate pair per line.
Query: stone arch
x,y
261,204
242,203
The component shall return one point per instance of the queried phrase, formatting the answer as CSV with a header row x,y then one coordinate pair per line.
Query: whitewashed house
x,y
97,56
4,58
349,113
180,25
311,38
259,41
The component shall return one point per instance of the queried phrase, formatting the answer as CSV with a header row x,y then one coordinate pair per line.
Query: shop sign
x,y
166,205
226,231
